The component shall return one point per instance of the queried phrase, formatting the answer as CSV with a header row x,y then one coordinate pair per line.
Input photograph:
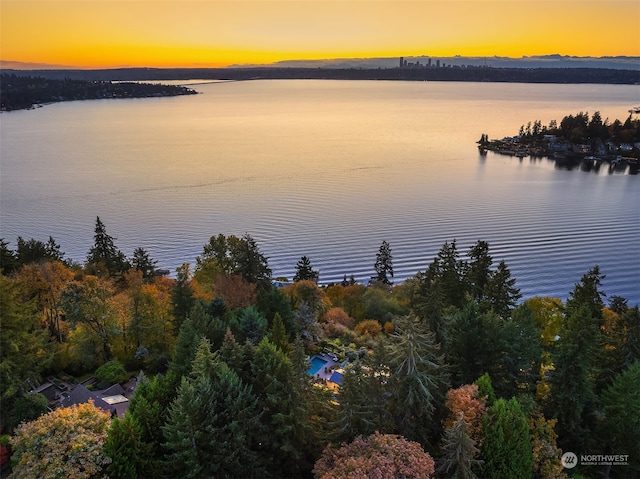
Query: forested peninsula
x,y
225,371
18,92
577,141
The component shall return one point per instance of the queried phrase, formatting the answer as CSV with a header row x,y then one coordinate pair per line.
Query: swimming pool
x,y
316,364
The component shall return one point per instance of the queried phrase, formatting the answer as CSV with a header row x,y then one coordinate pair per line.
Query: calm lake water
x,y
326,169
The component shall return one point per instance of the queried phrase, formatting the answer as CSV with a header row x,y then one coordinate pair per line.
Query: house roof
x,y
81,395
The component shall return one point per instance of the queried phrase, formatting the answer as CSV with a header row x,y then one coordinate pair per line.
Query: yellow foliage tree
x,y
65,443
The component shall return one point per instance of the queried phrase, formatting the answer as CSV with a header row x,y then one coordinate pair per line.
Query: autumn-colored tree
x,y
307,291
43,282
65,443
235,290
546,454
369,327
547,313
352,301
464,404
339,316
24,349
89,304
383,456
148,318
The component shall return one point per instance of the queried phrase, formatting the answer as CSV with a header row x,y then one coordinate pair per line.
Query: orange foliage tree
x,y
339,316
235,291
384,456
43,282
369,327
464,403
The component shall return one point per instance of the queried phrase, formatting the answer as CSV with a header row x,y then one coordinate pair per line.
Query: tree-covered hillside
x,y
19,92
449,374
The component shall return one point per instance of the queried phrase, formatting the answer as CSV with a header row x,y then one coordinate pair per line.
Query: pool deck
x,y
326,371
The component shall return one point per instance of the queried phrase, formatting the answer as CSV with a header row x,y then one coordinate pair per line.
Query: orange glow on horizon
x,y
215,33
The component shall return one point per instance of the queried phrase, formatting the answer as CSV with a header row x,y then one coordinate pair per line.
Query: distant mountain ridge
x,y
540,61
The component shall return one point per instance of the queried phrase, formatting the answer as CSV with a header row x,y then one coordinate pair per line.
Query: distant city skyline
x,y
215,33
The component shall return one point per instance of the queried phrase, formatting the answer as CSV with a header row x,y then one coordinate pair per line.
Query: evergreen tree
x,y
35,251
206,324
479,270
459,453
278,335
104,252
233,355
429,303
363,407
278,393
8,260
130,456
474,344
249,261
271,301
418,380
571,397
485,389
450,271
587,294
182,296
383,265
185,350
620,427
211,423
149,407
519,368
506,445
304,271
143,262
252,323
501,293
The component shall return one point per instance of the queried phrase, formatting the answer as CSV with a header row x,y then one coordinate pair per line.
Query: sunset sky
x,y
201,33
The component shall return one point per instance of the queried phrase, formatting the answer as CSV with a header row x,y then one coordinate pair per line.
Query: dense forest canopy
x,y
449,374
